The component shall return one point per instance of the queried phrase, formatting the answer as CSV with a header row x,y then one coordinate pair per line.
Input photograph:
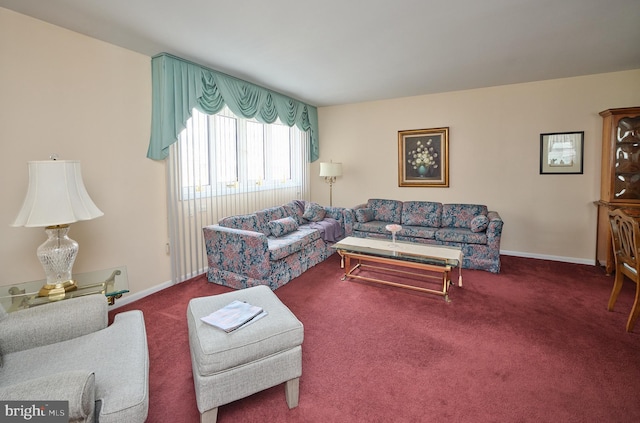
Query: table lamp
x,y
330,171
56,197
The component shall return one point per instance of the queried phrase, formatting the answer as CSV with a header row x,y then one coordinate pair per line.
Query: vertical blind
x,y
194,204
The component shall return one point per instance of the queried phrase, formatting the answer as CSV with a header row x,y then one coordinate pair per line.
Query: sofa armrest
x,y
77,387
54,322
237,251
494,230
347,220
344,216
123,396
334,213
337,213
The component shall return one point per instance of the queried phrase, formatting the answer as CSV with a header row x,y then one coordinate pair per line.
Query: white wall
x,y
494,143
87,100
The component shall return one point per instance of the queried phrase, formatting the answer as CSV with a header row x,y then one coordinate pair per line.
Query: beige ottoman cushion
x,y
230,366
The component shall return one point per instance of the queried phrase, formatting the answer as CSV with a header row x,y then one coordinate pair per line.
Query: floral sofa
x,y
472,227
274,245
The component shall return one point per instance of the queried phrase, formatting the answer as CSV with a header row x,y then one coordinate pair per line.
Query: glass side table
x,y
112,283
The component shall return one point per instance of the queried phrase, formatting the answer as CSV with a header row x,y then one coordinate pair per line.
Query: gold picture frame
x,y
423,157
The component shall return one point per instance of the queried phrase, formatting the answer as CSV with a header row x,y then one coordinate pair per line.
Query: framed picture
x,y
423,158
561,153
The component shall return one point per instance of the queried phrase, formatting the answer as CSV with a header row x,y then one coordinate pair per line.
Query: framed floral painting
x,y
423,158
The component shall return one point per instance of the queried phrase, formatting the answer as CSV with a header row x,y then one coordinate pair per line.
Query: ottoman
x,y
234,365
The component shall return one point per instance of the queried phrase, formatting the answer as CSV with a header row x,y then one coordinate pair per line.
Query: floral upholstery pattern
x,y
248,222
470,227
422,213
364,215
346,216
461,235
295,209
237,249
267,215
410,232
461,215
374,226
242,251
314,212
291,243
479,223
283,226
386,210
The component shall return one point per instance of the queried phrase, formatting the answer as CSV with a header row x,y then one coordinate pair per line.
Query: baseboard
x,y
547,257
129,298
139,295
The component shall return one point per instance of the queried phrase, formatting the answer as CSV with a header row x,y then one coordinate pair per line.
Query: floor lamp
x,y
330,171
56,197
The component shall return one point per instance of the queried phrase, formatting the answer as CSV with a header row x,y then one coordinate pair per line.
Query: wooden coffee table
x,y
424,261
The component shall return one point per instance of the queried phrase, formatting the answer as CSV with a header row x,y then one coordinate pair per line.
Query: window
x,y
223,154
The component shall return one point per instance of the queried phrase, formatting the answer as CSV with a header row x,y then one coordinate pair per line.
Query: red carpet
x,y
532,344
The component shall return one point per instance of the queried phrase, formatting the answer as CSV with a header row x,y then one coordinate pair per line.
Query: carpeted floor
x,y
534,343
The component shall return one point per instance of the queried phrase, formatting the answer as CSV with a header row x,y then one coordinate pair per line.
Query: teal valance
x,y
179,85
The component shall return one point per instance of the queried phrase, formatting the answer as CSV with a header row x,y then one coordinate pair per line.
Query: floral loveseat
x,y
472,227
274,245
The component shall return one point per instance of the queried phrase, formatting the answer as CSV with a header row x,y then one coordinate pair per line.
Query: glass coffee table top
x,y
402,250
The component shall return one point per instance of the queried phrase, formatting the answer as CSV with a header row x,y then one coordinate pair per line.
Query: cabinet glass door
x,y
627,159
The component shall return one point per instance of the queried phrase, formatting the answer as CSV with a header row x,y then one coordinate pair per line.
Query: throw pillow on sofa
x,y
314,212
479,223
364,215
283,226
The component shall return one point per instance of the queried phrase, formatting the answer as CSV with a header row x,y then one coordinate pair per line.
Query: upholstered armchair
x,y
64,351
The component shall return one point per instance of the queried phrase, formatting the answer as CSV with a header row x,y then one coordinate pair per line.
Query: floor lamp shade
x,y
56,197
330,169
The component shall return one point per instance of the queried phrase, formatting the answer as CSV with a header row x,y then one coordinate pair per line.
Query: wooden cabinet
x,y
620,173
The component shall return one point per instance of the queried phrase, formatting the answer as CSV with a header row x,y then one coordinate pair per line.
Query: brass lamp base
x,y
57,291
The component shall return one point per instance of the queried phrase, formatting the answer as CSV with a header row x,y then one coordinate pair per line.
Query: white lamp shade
x,y
56,195
330,169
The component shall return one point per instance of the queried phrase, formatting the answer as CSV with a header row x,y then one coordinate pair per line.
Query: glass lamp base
x,y
57,255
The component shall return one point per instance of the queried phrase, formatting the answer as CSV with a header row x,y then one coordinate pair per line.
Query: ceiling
x,y
330,52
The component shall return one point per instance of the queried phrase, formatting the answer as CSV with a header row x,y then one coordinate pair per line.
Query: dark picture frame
x,y
423,157
562,153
